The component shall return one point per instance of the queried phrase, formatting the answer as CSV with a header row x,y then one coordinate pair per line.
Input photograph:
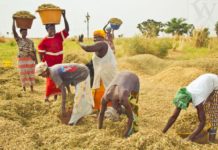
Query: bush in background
x,y
213,44
12,43
201,37
178,27
142,45
150,28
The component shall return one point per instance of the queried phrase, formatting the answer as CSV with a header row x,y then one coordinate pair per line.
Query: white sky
x,y
202,13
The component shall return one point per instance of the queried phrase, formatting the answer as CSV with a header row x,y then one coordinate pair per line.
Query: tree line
x,y
176,27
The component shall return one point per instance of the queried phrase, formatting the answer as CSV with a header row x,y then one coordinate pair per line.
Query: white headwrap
x,y
112,114
40,68
108,29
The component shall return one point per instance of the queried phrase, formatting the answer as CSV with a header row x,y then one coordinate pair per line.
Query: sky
x,y
201,13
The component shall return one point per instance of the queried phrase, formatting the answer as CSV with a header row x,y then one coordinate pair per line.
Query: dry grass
x,y
145,64
201,37
26,122
75,58
2,40
142,45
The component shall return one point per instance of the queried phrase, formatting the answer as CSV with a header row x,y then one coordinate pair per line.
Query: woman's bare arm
x,y
172,119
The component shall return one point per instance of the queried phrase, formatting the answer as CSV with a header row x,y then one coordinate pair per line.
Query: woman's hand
x,y
81,38
63,12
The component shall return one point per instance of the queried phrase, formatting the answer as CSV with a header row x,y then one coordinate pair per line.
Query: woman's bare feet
x,y
24,88
31,87
46,100
55,97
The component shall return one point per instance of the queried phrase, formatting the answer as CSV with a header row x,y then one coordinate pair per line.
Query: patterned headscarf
x,y
182,98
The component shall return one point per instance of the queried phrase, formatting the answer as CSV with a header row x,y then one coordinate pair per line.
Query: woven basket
x,y
24,23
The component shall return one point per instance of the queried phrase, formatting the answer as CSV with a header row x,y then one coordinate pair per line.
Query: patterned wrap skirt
x,y
26,66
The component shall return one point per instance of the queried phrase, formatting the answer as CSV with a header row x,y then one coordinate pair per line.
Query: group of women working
x,y
113,93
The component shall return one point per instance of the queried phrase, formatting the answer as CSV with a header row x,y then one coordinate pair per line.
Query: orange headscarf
x,y
99,33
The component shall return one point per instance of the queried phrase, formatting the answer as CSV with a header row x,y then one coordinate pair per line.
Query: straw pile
x,y
24,14
115,21
26,122
47,6
177,76
74,58
146,64
187,123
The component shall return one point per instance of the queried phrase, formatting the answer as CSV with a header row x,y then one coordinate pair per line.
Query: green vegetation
x,y
183,48
142,45
201,37
8,53
150,28
178,26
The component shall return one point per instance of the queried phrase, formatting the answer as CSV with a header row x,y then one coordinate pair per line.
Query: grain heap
x,y
24,14
47,6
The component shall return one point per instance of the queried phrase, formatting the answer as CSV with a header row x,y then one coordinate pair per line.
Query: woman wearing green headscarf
x,y
198,92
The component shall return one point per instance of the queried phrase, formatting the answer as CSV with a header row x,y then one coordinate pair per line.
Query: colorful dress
x,y
78,76
51,48
26,61
104,72
211,109
200,91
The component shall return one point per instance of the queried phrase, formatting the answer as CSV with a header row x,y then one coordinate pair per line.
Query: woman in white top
x,y
104,64
198,92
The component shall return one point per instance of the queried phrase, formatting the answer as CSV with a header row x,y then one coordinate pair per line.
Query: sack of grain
x,y
24,19
49,14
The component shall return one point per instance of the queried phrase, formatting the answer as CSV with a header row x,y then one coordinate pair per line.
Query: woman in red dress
x,y
51,51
